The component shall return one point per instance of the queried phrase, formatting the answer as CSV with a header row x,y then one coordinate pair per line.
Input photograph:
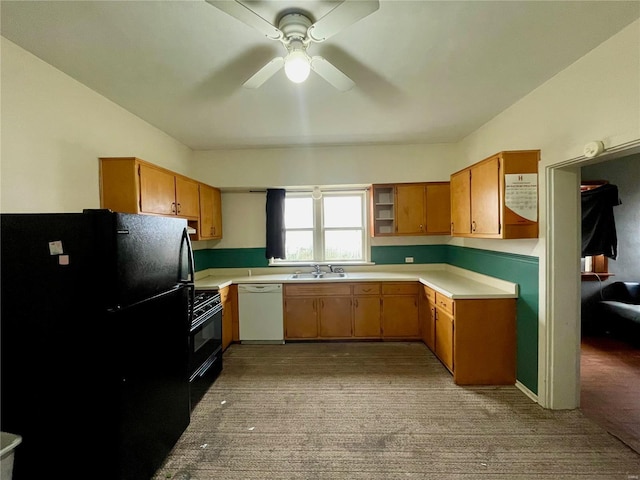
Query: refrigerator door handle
x,y
192,272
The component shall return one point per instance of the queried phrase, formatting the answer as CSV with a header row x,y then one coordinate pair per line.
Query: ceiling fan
x,y
296,32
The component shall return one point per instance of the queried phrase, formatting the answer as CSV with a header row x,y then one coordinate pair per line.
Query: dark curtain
x,y
598,225
275,223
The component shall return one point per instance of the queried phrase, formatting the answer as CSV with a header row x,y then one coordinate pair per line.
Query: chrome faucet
x,y
316,269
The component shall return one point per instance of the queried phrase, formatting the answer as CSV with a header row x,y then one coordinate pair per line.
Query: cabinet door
x,y
438,208
227,317
210,213
300,317
206,211
400,316
217,213
410,212
427,317
157,191
444,338
187,198
366,316
335,316
485,197
461,202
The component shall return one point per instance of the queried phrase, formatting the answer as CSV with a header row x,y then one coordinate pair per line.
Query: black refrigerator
x,y
95,317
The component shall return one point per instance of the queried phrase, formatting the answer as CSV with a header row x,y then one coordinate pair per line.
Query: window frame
x,y
319,228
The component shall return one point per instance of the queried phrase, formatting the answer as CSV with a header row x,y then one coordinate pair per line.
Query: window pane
x,y
343,245
298,212
342,211
299,245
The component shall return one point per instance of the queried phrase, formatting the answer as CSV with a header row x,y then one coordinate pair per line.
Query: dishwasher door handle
x,y
260,288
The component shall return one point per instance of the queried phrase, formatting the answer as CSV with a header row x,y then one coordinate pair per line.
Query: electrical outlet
x,y
408,259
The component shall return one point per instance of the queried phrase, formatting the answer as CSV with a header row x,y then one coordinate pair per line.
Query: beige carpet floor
x,y
379,411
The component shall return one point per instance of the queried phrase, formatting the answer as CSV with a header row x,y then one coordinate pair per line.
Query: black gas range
x,y
205,343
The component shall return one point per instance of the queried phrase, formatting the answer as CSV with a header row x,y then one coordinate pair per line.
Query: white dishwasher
x,y
260,313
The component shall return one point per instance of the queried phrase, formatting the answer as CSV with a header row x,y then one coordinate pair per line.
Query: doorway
x,y
560,329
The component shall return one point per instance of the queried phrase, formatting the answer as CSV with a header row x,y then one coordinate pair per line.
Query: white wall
x,y
54,129
243,214
596,98
331,165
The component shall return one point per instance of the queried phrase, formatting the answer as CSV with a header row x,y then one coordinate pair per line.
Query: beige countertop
x,y
451,281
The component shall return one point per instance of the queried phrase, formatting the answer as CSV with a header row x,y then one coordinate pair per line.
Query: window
x,y
328,229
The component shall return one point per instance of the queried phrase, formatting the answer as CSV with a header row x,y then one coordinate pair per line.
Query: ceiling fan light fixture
x,y
297,66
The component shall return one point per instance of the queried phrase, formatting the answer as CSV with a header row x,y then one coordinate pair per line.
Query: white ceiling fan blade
x,y
345,14
331,74
265,73
247,16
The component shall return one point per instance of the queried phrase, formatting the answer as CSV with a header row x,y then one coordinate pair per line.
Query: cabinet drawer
x,y
430,293
445,303
366,289
317,289
404,288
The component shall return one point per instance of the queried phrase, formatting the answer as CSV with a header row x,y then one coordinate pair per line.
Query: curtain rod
x,y
322,189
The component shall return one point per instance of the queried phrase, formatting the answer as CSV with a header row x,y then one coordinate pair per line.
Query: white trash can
x,y
8,443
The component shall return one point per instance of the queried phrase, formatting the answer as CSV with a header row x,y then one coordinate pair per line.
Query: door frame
x,y
560,292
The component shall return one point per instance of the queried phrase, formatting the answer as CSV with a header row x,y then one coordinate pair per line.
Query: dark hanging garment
x,y
275,223
598,225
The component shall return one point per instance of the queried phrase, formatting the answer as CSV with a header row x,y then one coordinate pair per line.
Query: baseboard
x,y
527,392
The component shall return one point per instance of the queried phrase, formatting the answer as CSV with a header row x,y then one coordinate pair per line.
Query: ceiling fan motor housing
x,y
294,26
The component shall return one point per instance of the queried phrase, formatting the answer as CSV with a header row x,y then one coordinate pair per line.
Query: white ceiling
x,y
425,71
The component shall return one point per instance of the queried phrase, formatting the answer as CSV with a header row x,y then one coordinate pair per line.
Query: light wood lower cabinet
x,y
335,317
427,316
317,310
229,300
444,345
484,351
351,310
300,317
366,310
400,317
475,339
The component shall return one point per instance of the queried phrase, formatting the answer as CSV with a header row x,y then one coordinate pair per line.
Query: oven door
x,y
205,340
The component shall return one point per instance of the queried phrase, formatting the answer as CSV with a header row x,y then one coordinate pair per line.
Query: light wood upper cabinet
x,y
438,208
461,203
410,209
210,213
187,198
485,197
497,197
157,190
132,185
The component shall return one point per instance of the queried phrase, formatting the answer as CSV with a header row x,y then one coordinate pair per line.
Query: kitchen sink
x,y
318,276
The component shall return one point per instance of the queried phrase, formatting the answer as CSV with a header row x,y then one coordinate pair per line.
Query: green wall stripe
x,y
520,269
391,255
230,258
